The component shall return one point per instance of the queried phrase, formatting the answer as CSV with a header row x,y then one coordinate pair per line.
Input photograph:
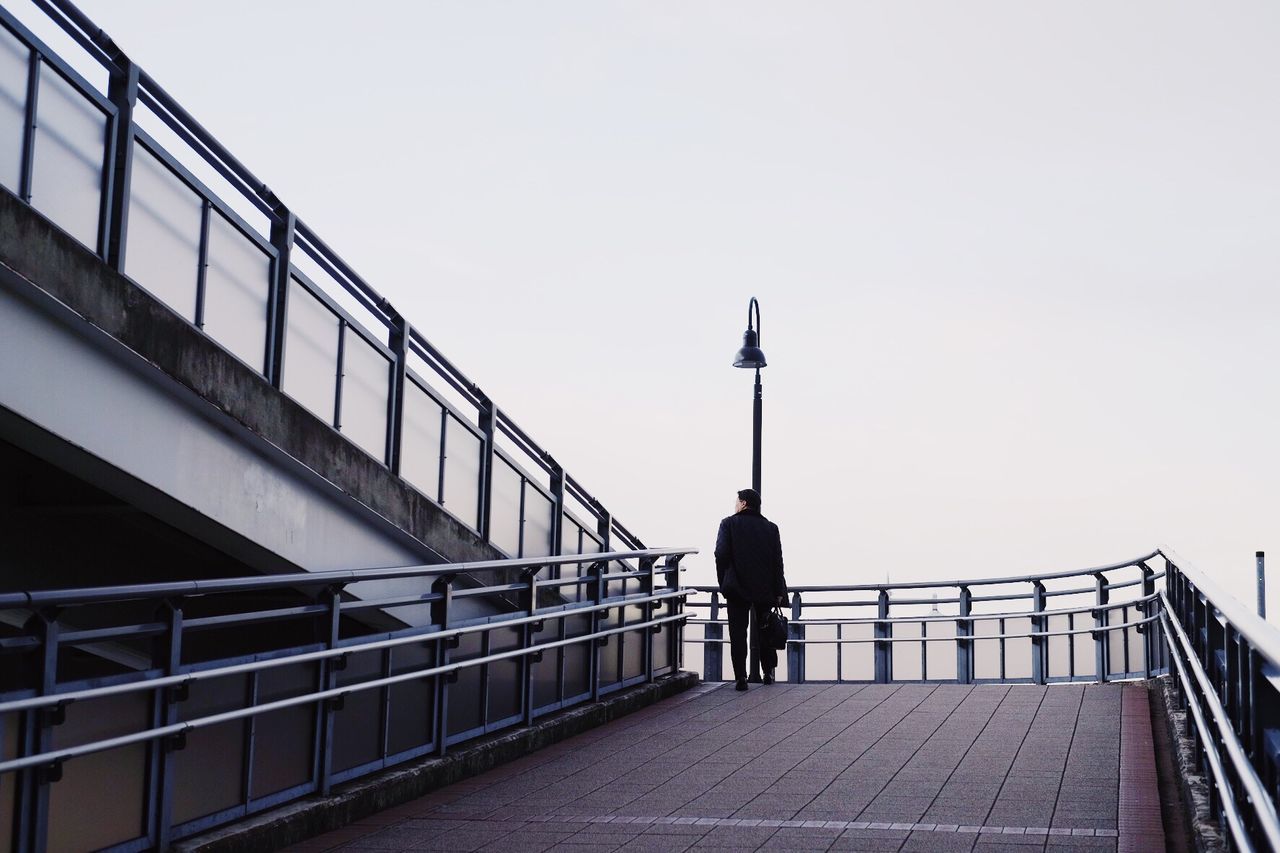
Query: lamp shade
x,y
750,356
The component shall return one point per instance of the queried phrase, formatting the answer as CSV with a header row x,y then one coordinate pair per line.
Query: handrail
x,y
973,617
1136,562
1264,637
87,595
1225,735
57,756
187,678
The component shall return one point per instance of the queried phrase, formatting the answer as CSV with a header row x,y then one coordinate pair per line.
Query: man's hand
x,y
782,599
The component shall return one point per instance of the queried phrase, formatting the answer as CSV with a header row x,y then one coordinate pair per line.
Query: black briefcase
x,y
774,630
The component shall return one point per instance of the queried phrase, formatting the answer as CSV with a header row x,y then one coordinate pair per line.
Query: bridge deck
x,y
816,767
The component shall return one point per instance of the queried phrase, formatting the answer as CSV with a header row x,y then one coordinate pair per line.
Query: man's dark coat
x,y
749,558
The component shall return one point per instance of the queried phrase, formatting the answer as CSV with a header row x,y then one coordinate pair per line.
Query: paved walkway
x,y
815,767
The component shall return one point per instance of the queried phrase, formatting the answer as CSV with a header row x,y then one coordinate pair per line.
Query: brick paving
x,y
911,767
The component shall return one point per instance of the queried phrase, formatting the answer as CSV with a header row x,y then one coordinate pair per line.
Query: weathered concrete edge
x,y
300,820
1192,784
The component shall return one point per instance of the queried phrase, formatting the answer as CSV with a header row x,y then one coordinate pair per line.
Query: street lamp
x,y
752,357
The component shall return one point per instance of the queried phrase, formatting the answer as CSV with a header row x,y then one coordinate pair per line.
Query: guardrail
x,y
1226,663
125,723
1102,630
122,167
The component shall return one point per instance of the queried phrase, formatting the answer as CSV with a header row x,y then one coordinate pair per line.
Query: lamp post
x,y
752,357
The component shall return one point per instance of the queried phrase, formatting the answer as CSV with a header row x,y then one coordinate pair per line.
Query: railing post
x,y
283,225
713,648
1150,630
1102,597
122,91
526,641
604,526
964,645
168,659
399,344
649,634
33,791
596,572
331,598
795,651
443,587
557,518
884,650
1039,645
1261,558
489,427
675,606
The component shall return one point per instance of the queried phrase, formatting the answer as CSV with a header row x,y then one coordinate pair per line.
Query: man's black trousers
x,y
739,610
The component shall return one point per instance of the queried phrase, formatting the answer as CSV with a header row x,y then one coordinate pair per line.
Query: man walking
x,y
749,570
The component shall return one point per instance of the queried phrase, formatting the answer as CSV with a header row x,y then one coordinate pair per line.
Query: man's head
x,y
748,499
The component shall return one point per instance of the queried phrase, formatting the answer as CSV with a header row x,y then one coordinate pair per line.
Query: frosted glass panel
x,y
504,511
99,800
420,441
538,515
462,472
66,179
236,288
311,352
13,102
163,250
365,382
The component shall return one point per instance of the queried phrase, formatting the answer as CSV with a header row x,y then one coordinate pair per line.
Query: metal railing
x,y
123,168
1226,664
992,629
125,724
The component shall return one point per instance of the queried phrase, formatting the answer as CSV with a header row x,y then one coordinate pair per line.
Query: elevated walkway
x,y
816,767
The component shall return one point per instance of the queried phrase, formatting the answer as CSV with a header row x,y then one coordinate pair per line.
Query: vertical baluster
x,y
526,641
327,674
1039,645
796,651
713,648
440,613
649,634
596,572
283,225
1149,631
884,650
924,646
122,90
167,658
489,427
34,62
1101,596
964,631
38,725
839,652
398,341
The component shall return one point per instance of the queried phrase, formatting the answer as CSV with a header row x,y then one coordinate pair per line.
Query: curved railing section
x,y
94,143
1095,624
154,710
1226,664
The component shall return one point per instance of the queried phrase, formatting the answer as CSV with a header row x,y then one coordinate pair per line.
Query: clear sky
x,y
1017,261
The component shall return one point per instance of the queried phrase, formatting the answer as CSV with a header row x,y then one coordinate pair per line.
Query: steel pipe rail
x,y
423,690
1118,625
1227,672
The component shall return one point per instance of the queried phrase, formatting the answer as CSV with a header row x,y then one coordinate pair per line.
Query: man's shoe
x,y
768,676
741,685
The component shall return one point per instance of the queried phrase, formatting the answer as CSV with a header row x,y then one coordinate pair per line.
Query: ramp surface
x,y
816,767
